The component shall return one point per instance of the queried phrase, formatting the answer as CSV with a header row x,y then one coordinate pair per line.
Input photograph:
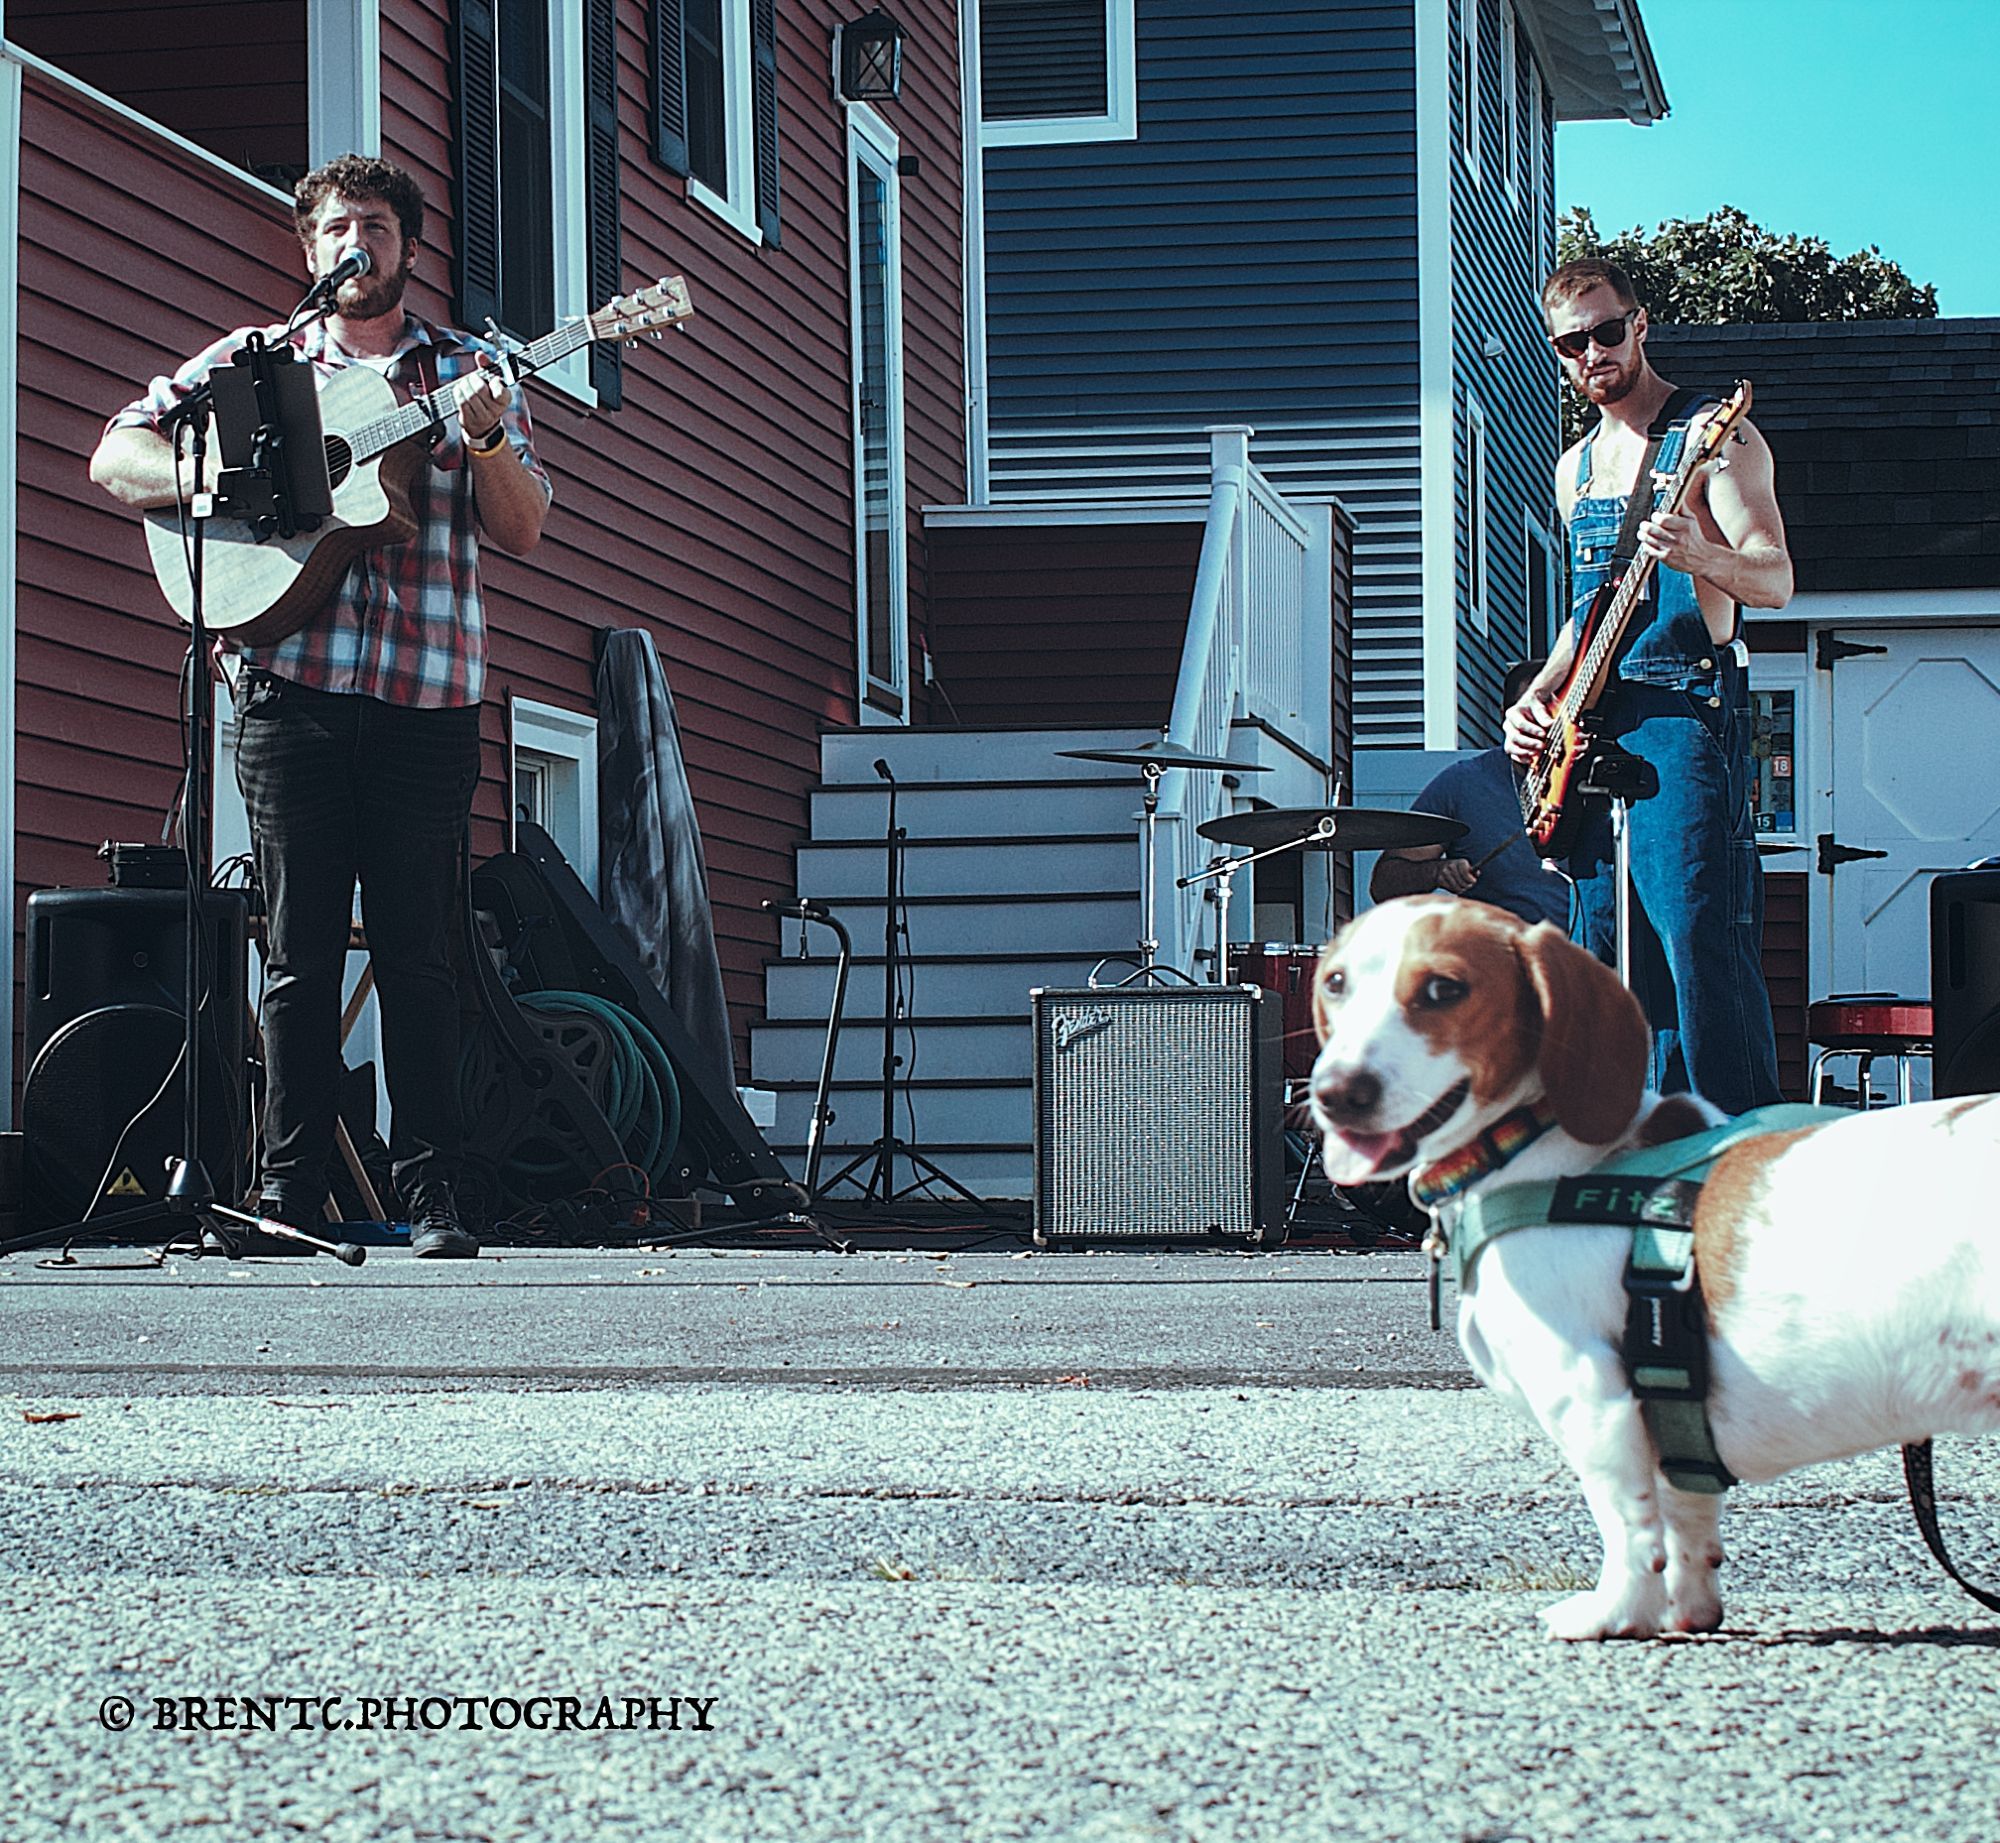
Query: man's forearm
x,y
1402,876
1758,575
136,467
509,499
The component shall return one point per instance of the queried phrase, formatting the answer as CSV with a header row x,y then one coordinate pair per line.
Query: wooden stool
x,y
1866,1025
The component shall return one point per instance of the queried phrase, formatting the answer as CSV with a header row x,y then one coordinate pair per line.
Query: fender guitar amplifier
x,y
1159,1114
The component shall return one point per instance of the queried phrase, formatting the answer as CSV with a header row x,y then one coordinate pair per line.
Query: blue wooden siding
x,y
1249,258
1501,250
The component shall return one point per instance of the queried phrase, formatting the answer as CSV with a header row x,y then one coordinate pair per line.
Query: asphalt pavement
x,y
607,1545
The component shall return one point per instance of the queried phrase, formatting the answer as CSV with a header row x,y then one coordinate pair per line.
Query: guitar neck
x,y
425,409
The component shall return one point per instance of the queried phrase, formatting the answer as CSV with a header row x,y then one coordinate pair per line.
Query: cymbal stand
x,y
1223,871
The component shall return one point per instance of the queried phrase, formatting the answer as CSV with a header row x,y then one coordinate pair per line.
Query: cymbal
x,y
1166,755
1355,828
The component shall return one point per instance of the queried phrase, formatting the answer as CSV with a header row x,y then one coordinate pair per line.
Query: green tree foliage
x,y
1725,270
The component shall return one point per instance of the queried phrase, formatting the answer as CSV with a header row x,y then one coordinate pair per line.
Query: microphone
x,y
351,267
882,768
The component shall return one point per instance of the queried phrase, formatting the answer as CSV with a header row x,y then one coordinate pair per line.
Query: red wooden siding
x,y
230,75
715,508
1785,972
1071,624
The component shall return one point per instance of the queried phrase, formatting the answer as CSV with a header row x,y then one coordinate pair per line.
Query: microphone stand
x,y
886,1145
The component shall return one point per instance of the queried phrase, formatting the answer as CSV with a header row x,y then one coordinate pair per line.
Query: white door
x,y
1916,776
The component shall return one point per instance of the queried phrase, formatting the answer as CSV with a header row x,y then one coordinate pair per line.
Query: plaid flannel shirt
x,y
406,624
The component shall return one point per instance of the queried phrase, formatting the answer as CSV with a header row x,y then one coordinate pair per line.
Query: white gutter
x,y
1436,397
978,461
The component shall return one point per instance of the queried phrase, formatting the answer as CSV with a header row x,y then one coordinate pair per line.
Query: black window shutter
x,y
764,109
601,139
670,107
476,131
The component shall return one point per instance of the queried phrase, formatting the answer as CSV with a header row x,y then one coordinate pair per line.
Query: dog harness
x,y
1652,1191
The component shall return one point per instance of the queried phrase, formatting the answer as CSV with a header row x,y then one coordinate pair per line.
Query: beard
x,y
1611,387
369,297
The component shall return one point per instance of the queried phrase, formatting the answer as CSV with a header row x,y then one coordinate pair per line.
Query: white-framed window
x,y
1510,101
721,119
1538,144
1057,71
555,779
1476,586
875,282
1545,613
524,171
1468,83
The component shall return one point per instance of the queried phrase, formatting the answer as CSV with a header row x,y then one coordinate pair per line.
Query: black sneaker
x,y
436,1234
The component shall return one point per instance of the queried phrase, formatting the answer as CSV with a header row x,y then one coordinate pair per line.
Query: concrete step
x,y
946,926
828,869
1000,1114
951,754
964,1048
1052,807
992,985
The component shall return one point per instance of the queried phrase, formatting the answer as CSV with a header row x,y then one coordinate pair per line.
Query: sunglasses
x,y
1608,335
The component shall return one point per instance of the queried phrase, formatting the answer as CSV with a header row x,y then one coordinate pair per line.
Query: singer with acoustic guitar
x,y
358,746
1672,494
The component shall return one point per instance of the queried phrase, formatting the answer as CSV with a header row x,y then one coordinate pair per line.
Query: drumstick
x,y
1512,838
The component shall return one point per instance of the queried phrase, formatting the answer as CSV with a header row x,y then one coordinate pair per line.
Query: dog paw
x,y
1695,1613
1595,1615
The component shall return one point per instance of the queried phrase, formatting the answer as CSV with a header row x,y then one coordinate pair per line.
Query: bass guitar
x,y
1551,810
259,588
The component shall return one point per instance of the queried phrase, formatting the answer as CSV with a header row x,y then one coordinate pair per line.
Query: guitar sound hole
x,y
339,459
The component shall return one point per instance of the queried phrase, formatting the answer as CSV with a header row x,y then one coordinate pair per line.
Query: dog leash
x,y
1923,1500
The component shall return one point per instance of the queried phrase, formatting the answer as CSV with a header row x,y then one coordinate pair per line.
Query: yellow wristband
x,y
491,442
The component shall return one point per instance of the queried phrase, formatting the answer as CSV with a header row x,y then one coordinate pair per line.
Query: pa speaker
x,y
102,1105
1159,1114
1965,982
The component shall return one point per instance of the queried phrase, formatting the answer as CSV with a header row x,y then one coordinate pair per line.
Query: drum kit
x,y
1267,830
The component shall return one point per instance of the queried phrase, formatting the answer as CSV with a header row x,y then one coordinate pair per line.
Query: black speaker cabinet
x,y
102,1020
1159,1114
1965,982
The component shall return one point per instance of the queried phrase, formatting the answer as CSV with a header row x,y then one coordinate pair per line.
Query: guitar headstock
x,y
1721,423
646,310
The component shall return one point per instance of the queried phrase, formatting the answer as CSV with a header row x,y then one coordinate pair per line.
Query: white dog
x,y
1851,1271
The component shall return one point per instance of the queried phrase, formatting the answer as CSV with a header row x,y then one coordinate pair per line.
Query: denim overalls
x,y
1682,703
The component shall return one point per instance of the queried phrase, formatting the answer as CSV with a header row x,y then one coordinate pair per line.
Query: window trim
x,y
1478,563
868,135
558,736
569,190
738,207
1538,539
1470,126
1119,122
1510,102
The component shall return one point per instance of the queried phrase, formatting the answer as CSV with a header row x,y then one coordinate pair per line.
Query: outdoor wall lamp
x,y
868,58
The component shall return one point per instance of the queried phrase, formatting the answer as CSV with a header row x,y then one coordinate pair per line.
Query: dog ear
x,y
1594,1036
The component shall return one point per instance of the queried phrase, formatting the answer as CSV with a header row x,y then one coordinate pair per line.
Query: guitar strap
x,y
1644,497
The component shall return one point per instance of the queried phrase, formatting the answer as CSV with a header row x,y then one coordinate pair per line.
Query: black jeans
x,y
341,787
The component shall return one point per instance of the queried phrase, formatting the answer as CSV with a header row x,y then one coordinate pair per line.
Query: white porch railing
x,y
1251,650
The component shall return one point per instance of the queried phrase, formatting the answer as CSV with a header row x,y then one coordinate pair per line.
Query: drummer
x,y
1493,862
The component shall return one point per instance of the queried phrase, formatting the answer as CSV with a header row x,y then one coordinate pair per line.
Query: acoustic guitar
x,y
1551,811
258,589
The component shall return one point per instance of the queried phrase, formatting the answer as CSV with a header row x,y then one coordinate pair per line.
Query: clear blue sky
x,y
1851,120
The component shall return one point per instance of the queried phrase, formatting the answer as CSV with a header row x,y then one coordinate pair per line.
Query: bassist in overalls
x,y
1680,697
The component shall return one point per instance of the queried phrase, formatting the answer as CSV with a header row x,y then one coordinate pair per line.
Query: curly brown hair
x,y
356,177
